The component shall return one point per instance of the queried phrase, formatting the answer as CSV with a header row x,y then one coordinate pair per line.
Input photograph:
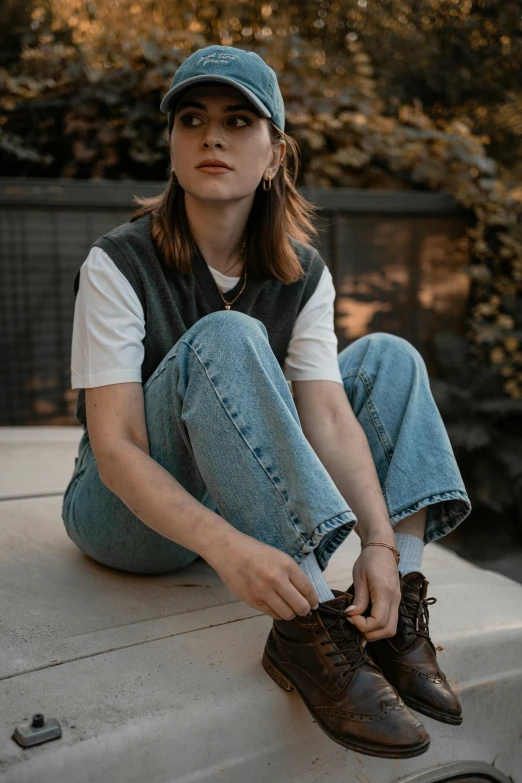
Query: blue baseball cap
x,y
241,69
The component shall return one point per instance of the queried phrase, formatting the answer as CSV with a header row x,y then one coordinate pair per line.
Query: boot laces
x,y
346,639
415,614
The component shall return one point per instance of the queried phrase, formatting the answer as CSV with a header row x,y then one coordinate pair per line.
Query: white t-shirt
x,y
109,327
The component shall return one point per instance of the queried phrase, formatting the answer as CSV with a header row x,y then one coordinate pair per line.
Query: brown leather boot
x,y
321,657
408,660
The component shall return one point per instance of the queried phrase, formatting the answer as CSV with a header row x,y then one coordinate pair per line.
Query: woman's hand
x,y
376,579
263,577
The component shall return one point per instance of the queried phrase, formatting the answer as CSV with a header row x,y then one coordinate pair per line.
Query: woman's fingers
x,y
375,626
288,601
361,597
393,619
295,599
376,576
305,589
267,610
278,605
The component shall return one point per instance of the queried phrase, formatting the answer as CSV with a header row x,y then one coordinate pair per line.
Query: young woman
x,y
190,322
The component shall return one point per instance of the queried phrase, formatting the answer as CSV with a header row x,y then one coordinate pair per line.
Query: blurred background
x,y
409,121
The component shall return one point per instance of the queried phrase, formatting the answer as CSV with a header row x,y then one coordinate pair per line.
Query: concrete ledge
x,y
159,679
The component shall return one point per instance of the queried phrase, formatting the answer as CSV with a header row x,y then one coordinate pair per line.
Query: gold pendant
x,y
227,307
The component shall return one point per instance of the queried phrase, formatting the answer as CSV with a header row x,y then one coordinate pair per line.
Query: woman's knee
x,y
225,329
224,325
396,350
392,344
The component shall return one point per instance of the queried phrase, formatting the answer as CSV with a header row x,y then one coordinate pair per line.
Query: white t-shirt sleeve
x,y
108,326
312,352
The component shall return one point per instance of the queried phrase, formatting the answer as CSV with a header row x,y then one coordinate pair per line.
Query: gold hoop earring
x,y
269,183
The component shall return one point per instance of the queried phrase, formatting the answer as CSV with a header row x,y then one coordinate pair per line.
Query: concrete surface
x,y
159,679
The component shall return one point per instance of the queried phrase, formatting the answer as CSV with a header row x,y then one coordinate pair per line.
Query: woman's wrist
x,y
382,545
214,534
381,532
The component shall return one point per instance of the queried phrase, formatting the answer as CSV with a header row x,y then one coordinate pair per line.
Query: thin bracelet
x,y
380,543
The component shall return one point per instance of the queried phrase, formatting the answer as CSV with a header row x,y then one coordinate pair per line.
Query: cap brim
x,y
166,102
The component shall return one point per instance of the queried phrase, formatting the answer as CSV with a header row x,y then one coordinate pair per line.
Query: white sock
x,y
312,569
411,549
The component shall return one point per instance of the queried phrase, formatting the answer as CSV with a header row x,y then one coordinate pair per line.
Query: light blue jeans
x,y
221,419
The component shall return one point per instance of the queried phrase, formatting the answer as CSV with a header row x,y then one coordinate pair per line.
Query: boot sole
x,y
288,685
440,716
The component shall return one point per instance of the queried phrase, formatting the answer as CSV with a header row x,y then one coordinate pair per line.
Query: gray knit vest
x,y
173,301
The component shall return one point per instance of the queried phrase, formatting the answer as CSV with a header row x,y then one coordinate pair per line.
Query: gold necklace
x,y
242,254
230,267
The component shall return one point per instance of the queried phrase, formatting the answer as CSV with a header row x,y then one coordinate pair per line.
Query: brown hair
x,y
276,214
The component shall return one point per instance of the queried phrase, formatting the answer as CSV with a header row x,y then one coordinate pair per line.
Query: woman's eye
x,y
186,117
243,119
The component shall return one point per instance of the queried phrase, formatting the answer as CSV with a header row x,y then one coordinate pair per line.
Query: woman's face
x,y
240,137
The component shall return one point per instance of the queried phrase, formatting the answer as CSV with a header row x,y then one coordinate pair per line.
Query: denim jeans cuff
x,y
446,511
326,538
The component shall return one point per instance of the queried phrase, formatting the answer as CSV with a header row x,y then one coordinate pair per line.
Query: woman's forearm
x,y
257,573
160,502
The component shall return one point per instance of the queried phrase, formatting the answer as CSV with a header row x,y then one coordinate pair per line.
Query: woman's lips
x,y
214,169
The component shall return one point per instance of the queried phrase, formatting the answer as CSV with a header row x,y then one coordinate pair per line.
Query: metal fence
x,y
398,259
